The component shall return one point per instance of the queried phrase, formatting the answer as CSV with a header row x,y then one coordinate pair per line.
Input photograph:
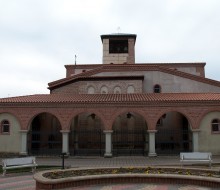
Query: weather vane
x,y
75,59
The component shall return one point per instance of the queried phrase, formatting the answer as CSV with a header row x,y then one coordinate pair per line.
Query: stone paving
x,y
24,181
142,187
110,162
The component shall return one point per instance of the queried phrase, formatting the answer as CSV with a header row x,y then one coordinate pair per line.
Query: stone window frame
x,y
4,125
115,91
104,89
128,89
215,125
90,86
118,46
157,88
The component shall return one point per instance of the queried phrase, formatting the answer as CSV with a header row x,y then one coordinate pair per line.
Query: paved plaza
x,y
24,181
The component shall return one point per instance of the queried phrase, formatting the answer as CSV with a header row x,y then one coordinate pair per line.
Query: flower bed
x,y
77,177
131,170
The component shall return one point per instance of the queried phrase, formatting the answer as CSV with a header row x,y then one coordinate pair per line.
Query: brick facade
x,y
115,92
82,87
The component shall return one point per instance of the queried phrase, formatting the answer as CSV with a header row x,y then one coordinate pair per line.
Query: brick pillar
x,y
195,140
108,143
152,151
65,141
23,142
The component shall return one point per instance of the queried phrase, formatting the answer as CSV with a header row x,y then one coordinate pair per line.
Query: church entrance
x,y
173,134
129,135
44,137
86,136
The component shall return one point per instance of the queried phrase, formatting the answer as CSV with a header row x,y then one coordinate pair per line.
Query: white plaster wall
x,y
169,83
191,70
10,143
208,141
78,71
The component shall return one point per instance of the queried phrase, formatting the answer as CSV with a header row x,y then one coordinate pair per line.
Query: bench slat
x,y
18,163
196,157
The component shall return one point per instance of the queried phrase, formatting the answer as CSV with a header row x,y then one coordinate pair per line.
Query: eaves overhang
x,y
85,100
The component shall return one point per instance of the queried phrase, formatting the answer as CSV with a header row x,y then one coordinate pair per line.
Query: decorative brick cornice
x,y
108,113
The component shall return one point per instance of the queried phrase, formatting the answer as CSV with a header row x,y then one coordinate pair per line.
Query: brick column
x,y
152,151
108,143
23,142
65,141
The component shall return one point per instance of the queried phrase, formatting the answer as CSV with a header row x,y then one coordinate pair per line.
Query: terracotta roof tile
x,y
114,98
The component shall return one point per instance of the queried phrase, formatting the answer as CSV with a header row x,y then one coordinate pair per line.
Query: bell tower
x,y
118,48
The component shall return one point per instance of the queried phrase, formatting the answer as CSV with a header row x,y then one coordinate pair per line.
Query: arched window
x,y
130,89
157,88
104,90
91,90
117,90
5,126
215,125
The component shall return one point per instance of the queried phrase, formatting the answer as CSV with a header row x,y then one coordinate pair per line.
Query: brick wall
x,y
81,87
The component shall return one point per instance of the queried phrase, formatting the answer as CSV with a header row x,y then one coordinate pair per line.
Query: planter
x,y
58,179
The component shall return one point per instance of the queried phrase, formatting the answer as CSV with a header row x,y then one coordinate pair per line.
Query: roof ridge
x,y
143,64
79,75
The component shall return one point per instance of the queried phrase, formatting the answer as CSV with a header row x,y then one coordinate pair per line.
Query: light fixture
x,y
93,116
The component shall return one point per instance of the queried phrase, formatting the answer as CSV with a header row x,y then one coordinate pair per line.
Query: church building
x,y
116,108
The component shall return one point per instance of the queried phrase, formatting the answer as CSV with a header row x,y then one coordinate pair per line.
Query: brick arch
x,y
124,111
14,115
38,112
207,111
181,111
80,111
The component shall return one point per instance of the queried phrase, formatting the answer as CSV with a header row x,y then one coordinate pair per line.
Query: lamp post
x,y
62,155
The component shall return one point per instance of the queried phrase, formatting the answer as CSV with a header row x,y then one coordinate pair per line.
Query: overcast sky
x,y
39,37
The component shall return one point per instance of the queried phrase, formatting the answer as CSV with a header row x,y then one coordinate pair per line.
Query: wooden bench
x,y
13,163
196,157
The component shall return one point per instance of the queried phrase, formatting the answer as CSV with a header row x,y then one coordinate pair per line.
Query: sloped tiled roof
x,y
167,64
114,98
131,67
